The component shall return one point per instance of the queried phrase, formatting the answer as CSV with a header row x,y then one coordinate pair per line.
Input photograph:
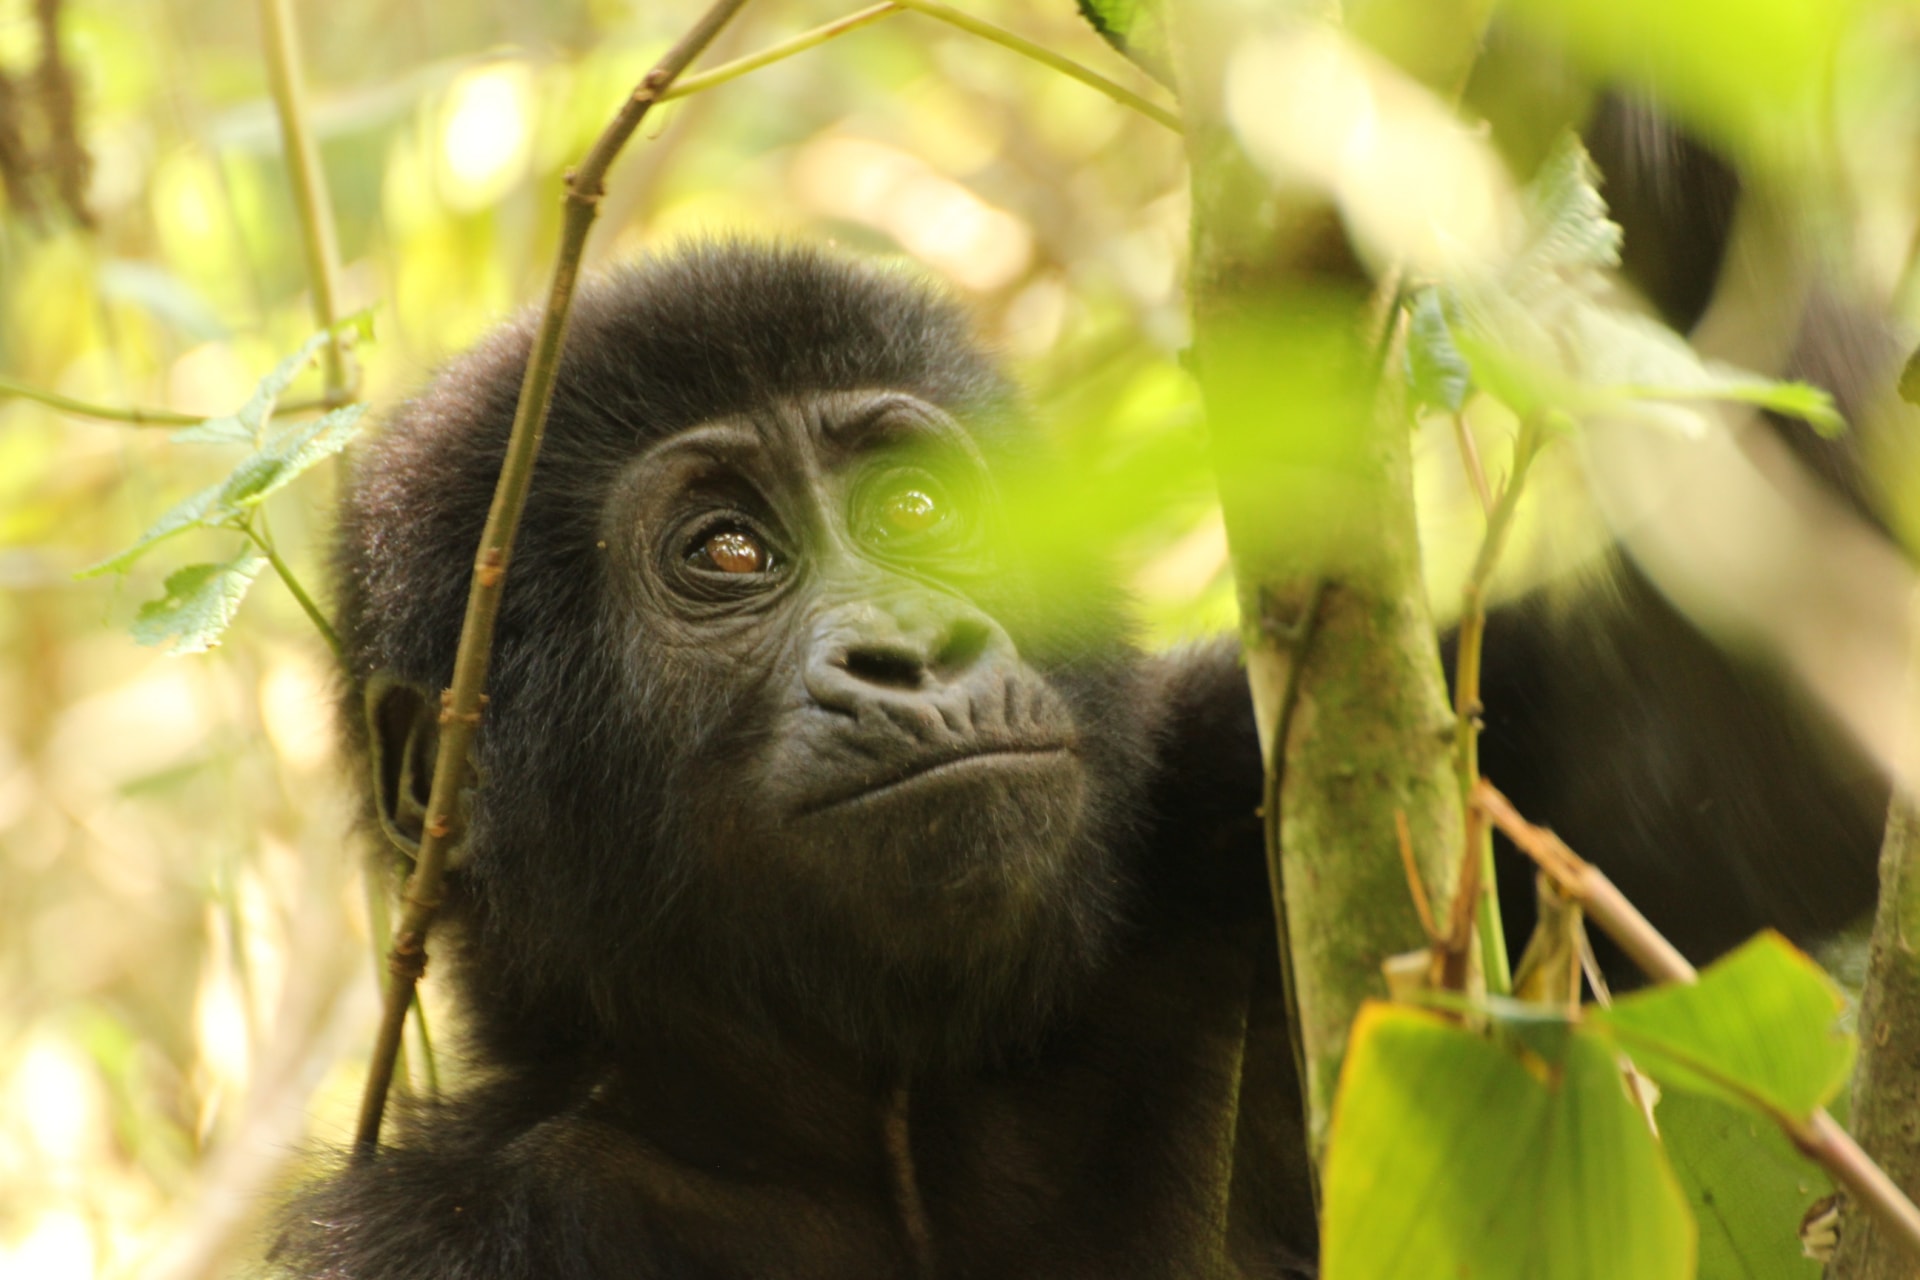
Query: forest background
x,y
187,975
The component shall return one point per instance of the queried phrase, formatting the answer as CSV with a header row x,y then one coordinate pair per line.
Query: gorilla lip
x,y
941,767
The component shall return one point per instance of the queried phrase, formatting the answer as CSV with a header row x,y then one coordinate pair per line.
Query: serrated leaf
x,y
1134,28
1746,1184
1437,372
225,429
245,424
199,604
201,510
281,460
1570,229
1760,1030
1453,1156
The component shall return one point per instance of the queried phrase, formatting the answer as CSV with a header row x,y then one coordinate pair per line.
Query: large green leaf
x,y
1760,1029
1750,74
1747,1186
1453,1156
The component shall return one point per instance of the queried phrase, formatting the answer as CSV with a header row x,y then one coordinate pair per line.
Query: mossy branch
x,y
461,703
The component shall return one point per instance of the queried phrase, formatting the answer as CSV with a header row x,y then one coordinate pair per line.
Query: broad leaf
x,y
199,605
1453,1156
1760,1029
1747,1185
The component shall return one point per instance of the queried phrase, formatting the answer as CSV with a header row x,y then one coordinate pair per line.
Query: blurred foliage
x,y
180,1005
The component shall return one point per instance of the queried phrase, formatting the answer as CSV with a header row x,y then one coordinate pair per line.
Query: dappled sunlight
x,y
934,218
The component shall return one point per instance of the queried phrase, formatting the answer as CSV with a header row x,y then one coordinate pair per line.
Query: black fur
x,y
697,974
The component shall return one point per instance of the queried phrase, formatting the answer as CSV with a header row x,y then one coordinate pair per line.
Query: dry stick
x,y
1466,688
460,704
686,86
1047,57
1820,1138
318,239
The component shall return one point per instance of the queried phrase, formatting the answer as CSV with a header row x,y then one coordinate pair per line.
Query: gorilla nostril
x,y
888,668
966,642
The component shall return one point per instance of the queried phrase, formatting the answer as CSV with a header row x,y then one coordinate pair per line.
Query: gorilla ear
x,y
403,736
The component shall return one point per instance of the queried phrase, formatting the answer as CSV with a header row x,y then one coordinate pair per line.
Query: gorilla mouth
x,y
942,768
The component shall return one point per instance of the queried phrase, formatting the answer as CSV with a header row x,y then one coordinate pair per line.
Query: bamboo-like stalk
x,y
461,703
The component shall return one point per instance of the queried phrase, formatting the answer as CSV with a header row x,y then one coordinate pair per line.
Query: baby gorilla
x,y
843,896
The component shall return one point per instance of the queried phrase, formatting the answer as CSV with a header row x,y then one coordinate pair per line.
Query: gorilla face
x,y
876,749
782,733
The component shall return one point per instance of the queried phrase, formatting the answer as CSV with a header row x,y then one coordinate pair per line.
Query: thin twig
x,y
686,86
262,539
461,703
1466,686
1819,1137
1041,54
1470,459
318,239
100,412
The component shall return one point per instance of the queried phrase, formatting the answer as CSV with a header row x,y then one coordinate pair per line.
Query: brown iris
x,y
732,551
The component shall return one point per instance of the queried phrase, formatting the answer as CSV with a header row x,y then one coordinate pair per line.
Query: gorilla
x,y
844,895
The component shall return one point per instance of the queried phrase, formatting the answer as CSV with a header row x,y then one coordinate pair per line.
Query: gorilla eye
x,y
907,511
910,511
730,551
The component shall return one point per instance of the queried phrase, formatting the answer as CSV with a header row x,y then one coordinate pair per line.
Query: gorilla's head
x,y
783,733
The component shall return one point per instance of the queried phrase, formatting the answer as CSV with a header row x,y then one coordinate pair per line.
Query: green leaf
x,y
1747,1185
1437,373
1755,75
199,605
1566,215
1136,29
247,422
1760,1029
281,459
274,466
203,509
1452,1156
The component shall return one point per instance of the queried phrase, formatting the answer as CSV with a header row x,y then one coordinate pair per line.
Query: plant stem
x,y
1466,688
461,703
686,86
263,540
318,238
1047,57
103,413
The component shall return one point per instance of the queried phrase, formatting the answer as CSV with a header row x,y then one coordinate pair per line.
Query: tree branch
x,y
461,703
1045,56
687,86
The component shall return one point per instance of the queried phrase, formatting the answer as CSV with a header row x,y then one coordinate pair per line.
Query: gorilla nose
x,y
870,653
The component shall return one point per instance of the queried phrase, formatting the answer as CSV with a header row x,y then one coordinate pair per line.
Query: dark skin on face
x,y
822,559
